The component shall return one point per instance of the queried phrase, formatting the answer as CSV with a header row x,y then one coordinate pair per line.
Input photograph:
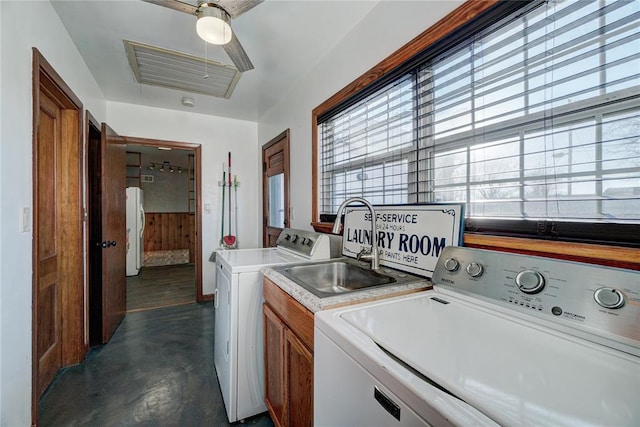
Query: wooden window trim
x,y
591,253
612,256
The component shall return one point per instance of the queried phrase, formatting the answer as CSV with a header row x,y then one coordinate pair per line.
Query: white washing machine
x,y
238,342
502,339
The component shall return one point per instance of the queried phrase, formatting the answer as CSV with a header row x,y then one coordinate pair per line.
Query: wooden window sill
x,y
613,256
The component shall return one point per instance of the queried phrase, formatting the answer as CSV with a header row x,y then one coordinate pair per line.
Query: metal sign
x,y
410,237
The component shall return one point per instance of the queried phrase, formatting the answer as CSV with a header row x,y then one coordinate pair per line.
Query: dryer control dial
x,y
530,281
609,298
451,264
474,269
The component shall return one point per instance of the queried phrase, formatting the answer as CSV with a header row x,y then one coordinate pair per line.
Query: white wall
x,y
1,216
25,25
217,136
169,192
389,26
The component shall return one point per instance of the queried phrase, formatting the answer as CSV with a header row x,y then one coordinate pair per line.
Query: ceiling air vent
x,y
176,70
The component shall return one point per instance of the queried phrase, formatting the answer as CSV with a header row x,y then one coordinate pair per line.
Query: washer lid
x,y
514,372
248,260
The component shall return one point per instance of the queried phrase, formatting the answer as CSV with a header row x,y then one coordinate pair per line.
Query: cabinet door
x,y
274,331
299,380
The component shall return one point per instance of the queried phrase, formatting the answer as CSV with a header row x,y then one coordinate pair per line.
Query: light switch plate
x,y
25,219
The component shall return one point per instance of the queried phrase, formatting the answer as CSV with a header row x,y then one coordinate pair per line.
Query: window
x,y
367,148
532,121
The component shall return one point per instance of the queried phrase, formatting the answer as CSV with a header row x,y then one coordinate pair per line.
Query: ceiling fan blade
x,y
237,7
237,54
175,5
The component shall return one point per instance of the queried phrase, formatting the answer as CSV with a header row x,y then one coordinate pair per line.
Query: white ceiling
x,y
284,39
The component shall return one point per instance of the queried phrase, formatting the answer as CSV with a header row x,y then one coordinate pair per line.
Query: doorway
x,y
275,188
57,287
167,174
106,243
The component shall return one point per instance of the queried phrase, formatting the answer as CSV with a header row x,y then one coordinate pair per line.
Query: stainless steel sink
x,y
339,276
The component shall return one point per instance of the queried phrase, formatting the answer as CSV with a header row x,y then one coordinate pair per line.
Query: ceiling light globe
x,y
213,25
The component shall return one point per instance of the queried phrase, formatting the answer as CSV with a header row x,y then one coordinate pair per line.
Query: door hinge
x,y
264,166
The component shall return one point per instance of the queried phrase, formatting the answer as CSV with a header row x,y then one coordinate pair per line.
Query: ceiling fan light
x,y
213,25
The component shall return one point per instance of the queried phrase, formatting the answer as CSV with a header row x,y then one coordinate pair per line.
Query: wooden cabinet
x,y
298,381
274,330
288,354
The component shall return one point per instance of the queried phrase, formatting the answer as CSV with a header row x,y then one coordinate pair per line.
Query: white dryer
x,y
238,342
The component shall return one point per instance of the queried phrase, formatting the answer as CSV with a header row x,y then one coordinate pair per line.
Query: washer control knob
x,y
530,281
474,269
309,242
609,298
451,264
287,236
294,238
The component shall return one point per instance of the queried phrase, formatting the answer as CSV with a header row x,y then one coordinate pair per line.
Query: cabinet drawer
x,y
293,314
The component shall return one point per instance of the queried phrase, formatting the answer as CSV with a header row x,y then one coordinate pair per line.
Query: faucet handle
x,y
364,254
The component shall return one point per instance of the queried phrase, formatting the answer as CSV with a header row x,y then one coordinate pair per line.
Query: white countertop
x,y
315,303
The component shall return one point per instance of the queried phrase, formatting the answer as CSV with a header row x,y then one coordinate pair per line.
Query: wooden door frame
x,y
286,136
73,343
197,150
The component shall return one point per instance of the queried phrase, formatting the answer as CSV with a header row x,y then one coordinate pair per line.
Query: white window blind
x,y
540,118
366,149
536,117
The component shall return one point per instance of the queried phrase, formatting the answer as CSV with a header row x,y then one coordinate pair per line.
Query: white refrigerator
x,y
135,230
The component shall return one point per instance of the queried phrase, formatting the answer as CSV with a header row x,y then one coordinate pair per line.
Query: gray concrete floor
x,y
157,370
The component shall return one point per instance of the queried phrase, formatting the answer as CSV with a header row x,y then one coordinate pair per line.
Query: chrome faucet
x,y
374,256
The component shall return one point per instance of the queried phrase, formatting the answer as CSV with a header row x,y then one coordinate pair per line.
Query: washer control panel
x,y
312,245
596,299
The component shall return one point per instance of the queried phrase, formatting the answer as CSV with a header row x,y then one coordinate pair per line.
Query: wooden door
x,y
57,256
48,290
274,366
299,381
114,248
275,188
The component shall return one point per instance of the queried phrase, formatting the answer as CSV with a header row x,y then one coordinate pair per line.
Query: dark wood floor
x,y
163,286
157,370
